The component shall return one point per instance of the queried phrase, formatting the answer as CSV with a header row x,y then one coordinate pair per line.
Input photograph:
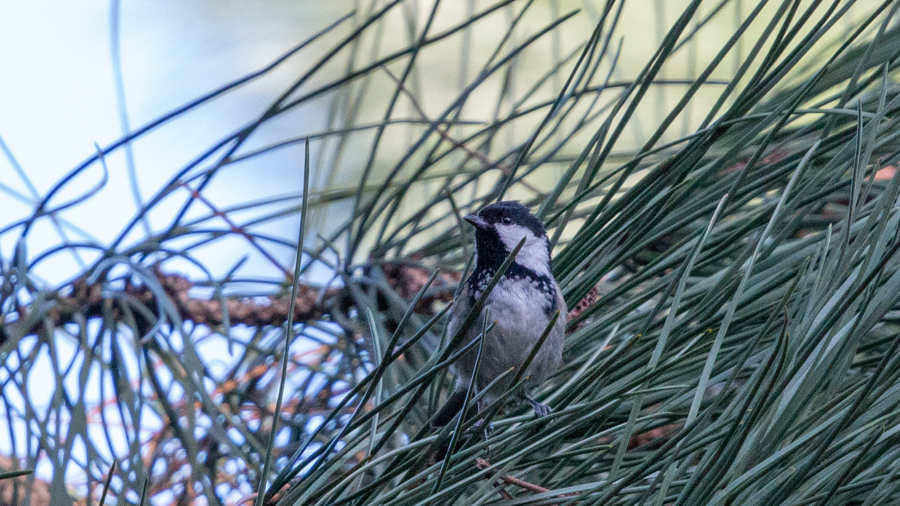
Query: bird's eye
x,y
507,220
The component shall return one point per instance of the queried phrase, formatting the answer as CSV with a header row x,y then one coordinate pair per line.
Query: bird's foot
x,y
486,428
540,410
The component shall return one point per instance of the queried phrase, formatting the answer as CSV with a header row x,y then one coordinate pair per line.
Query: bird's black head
x,y
499,228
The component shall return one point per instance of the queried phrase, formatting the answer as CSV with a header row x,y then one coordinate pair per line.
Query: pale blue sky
x,y
57,100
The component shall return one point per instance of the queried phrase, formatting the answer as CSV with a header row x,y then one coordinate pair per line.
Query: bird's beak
x,y
477,221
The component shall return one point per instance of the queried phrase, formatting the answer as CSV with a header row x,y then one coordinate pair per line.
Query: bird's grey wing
x,y
461,307
556,339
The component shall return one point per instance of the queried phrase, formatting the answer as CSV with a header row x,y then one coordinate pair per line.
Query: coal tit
x,y
521,304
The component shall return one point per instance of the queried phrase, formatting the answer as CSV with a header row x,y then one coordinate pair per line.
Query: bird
x,y
521,306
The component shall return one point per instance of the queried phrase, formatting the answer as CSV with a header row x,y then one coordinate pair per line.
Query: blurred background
x,y
80,77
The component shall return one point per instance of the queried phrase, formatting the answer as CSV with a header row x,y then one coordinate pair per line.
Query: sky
x,y
59,104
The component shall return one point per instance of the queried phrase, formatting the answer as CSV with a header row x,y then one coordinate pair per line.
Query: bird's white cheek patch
x,y
512,234
533,255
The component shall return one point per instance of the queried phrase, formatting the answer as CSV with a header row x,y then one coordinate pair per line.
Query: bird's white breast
x,y
518,304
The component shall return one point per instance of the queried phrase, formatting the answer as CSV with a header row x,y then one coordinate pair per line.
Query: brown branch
x,y
511,480
84,300
87,299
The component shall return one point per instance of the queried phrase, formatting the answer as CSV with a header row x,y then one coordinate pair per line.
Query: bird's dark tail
x,y
450,408
444,416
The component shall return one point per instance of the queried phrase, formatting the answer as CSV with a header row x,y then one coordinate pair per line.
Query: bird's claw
x,y
540,410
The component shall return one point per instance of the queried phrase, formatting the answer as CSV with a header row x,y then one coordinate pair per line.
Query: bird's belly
x,y
520,316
